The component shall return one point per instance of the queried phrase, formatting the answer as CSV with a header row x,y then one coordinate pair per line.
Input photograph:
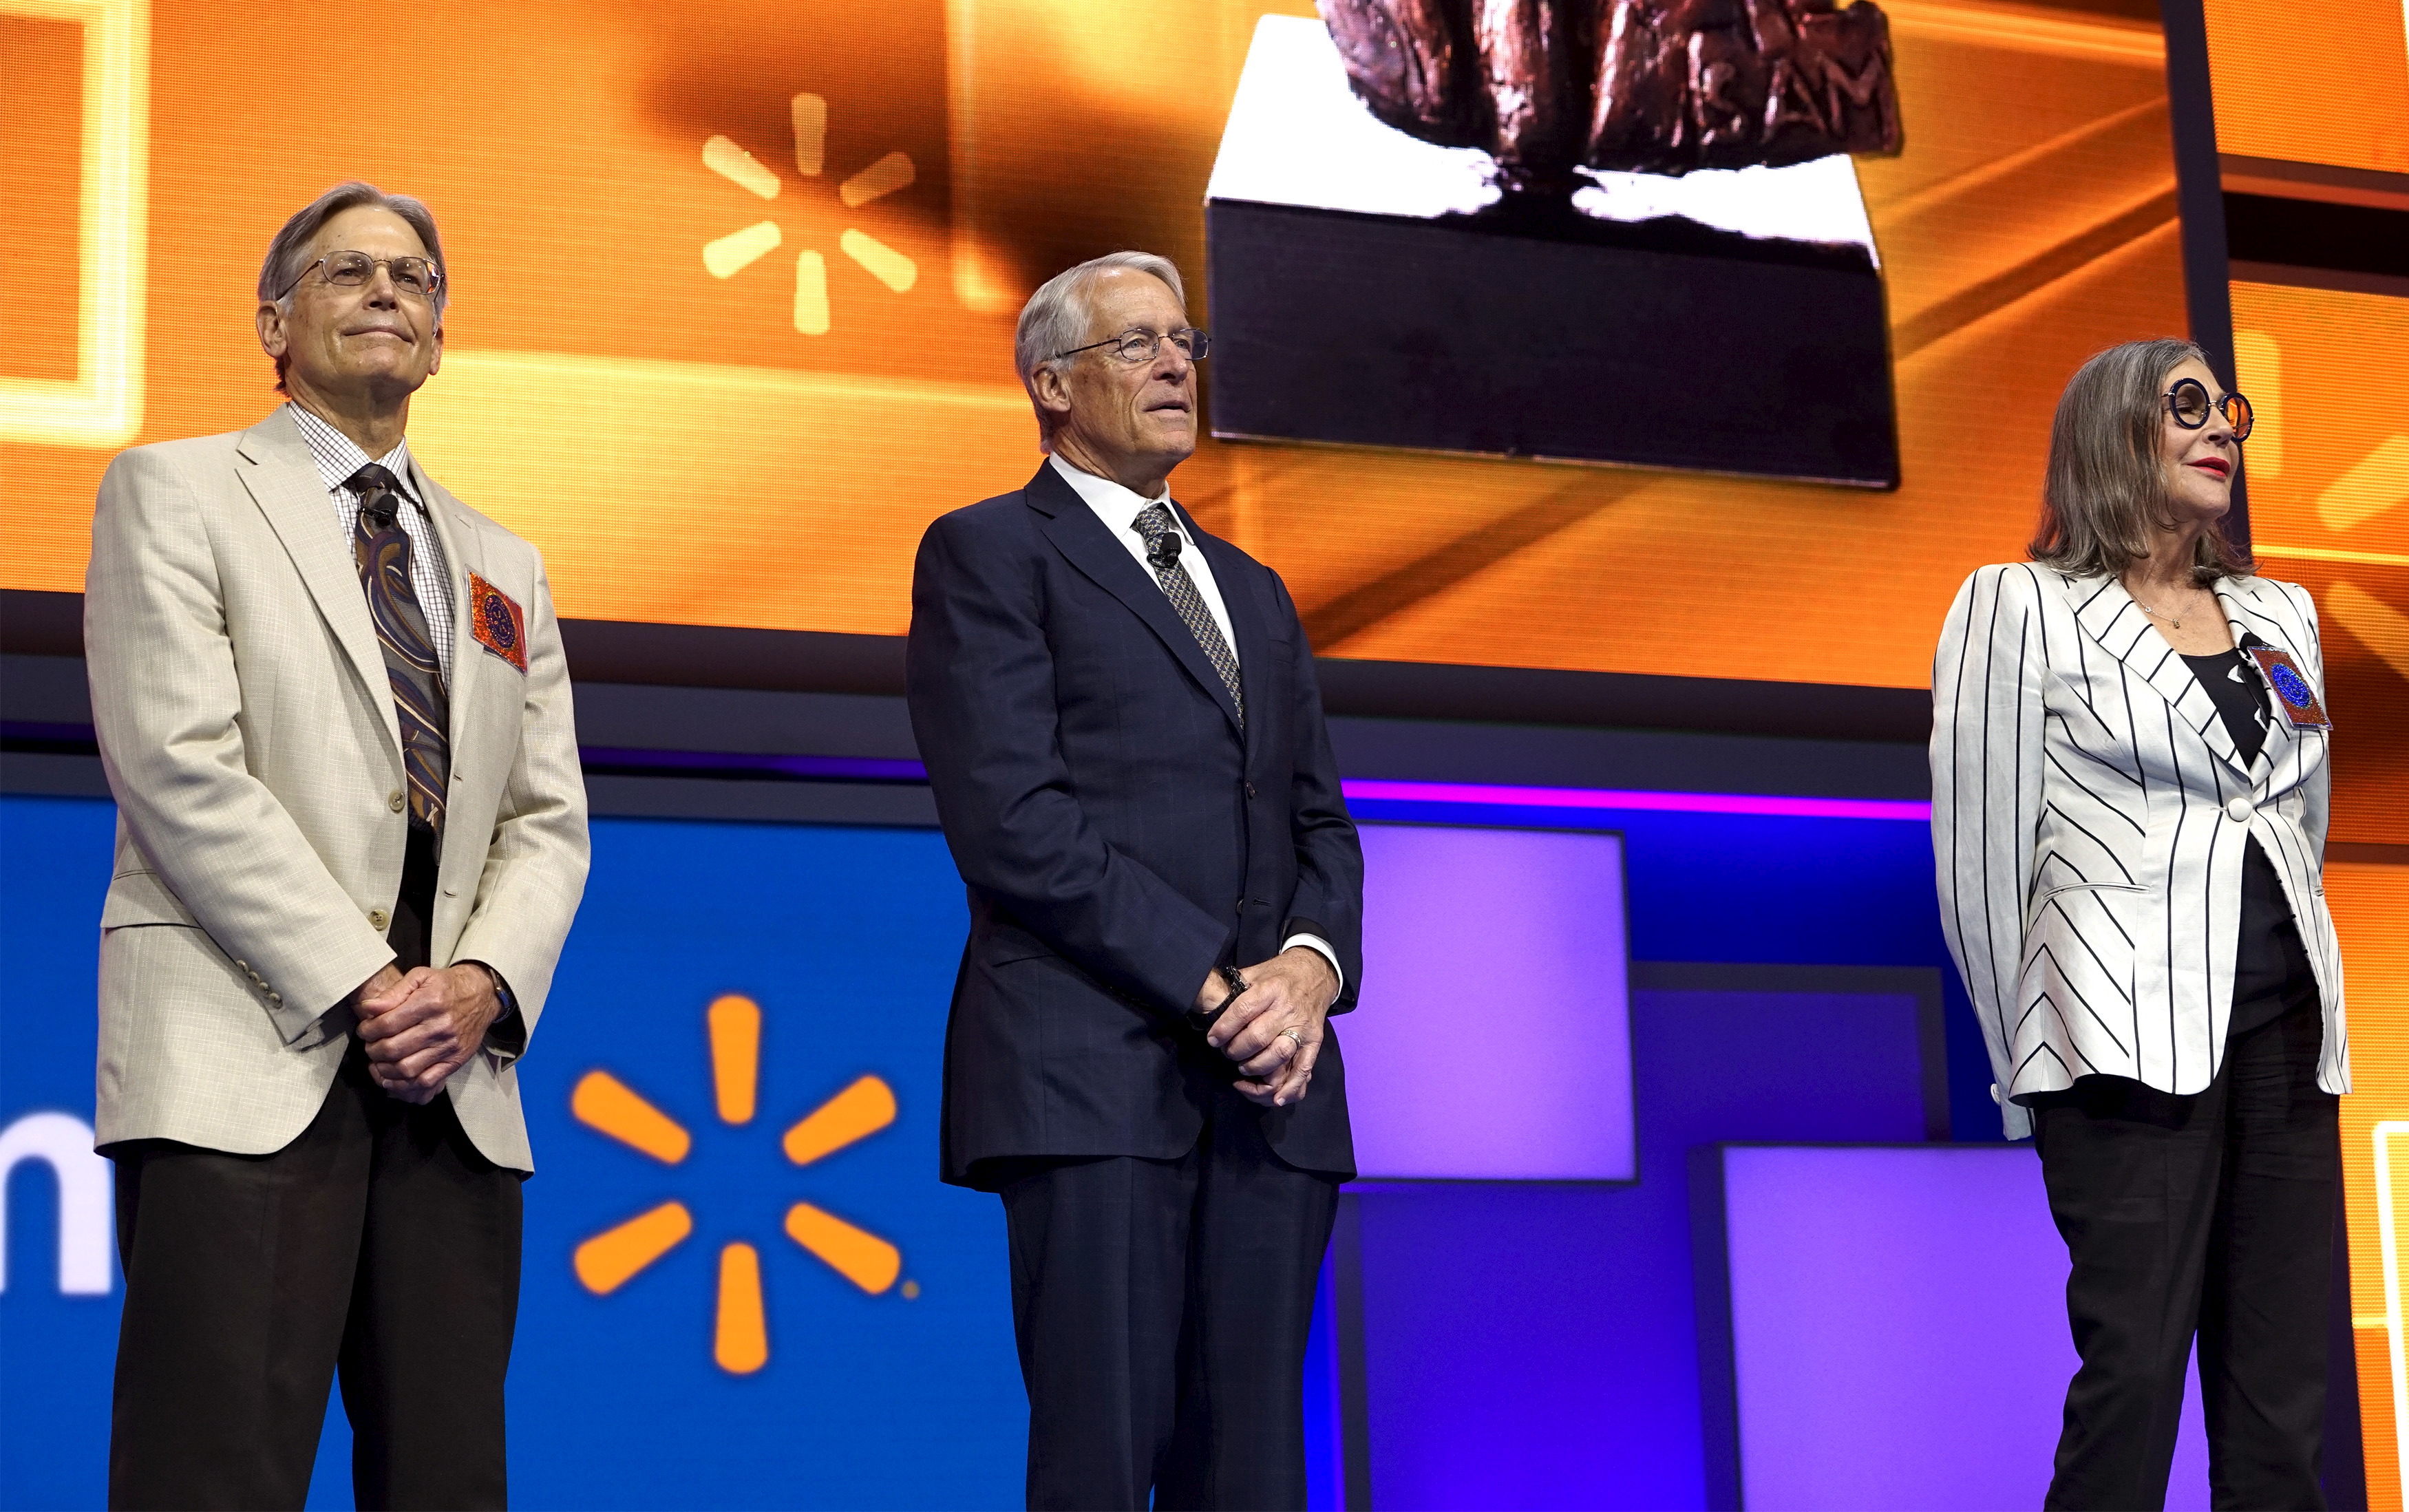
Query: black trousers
x,y
1162,1309
380,1242
2209,1215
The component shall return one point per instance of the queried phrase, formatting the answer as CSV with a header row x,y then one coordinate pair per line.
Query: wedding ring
x,y
1294,1035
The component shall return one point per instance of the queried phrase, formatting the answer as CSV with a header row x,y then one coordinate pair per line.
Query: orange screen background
x,y
684,453
2329,503
2323,83
2329,508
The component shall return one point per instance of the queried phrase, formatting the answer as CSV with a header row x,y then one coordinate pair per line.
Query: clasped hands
x,y
1273,1028
421,1027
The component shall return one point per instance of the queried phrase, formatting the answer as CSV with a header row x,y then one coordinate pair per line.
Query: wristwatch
x,y
1233,979
502,993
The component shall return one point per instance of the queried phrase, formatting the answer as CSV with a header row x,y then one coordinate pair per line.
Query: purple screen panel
x,y
1493,1039
1899,1331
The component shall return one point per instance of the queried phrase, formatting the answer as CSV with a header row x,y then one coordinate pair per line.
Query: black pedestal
x,y
1660,344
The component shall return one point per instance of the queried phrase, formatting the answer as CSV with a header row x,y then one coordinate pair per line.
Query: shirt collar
x,y
338,456
1118,507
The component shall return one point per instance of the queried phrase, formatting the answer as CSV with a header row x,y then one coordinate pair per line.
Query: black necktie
x,y
382,551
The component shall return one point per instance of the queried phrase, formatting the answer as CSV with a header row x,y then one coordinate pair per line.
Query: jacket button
x,y
2238,810
377,918
394,801
277,997
242,965
1250,789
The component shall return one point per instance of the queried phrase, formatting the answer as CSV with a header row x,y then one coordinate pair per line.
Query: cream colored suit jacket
x,y
248,728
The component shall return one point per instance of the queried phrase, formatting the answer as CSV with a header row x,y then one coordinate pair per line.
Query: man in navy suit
x,y
1126,741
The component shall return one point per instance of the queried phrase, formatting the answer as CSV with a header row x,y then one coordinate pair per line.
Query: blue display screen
x,y
847,941
883,1371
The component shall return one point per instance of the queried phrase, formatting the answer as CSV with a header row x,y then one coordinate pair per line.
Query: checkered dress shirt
x,y
337,457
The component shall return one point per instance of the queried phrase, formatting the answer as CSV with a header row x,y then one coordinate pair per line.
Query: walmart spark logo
x,y
739,249
613,1258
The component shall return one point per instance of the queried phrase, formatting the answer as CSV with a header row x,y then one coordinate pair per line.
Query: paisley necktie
x,y
382,551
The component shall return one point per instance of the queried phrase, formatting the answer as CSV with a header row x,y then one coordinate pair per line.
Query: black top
x,y
2240,696
2270,969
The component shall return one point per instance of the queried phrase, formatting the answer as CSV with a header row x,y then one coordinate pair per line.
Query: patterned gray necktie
x,y
1154,523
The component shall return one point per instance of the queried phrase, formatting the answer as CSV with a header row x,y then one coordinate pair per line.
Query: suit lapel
x,y
1242,595
2109,615
1083,539
463,553
275,465
2253,609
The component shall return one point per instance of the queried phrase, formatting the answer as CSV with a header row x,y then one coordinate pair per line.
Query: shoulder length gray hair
x,y
2106,486
1056,318
288,254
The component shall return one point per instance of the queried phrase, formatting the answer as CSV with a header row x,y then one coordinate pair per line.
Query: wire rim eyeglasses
x,y
1142,346
417,277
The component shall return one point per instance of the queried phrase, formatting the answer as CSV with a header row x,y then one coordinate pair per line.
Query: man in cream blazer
x,y
334,710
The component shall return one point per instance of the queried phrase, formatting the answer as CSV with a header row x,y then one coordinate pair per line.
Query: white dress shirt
x,y
337,457
1119,509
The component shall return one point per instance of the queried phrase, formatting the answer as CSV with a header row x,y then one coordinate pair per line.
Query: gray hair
x,y
2106,486
288,254
1056,318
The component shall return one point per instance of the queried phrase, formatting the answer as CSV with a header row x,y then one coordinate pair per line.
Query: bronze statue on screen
x,y
1550,87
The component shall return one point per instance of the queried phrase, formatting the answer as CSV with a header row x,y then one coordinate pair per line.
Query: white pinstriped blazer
x,y
2089,816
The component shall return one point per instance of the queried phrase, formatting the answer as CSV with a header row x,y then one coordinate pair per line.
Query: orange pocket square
x,y
497,622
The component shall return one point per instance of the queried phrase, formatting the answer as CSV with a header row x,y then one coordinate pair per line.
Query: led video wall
x,y
2267,58
2330,508
735,286
744,1284
683,1340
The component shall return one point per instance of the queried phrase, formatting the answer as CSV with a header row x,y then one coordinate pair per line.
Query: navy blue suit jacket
x,y
1120,834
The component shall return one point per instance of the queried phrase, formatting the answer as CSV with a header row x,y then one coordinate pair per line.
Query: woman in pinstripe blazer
x,y
2127,832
